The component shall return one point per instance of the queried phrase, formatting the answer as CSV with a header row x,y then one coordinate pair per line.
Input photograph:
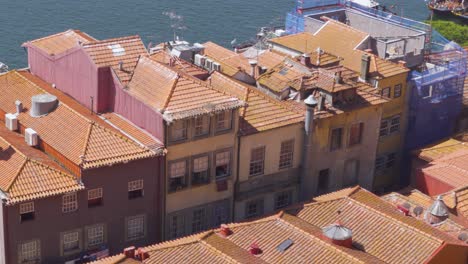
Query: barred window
x,y
283,199
200,174
383,128
94,197
223,164
199,220
390,125
202,125
135,227
30,251
286,154
257,161
397,91
26,211
69,203
395,124
177,175
135,189
71,242
95,235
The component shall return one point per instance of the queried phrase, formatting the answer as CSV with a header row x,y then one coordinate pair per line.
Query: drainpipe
x,y
310,103
236,182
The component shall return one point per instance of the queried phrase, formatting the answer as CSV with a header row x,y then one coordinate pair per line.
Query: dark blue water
x,y
218,20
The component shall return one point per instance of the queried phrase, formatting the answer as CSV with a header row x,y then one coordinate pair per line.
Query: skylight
x,y
117,50
285,245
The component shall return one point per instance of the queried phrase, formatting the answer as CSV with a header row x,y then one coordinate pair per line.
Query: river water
x,y
220,21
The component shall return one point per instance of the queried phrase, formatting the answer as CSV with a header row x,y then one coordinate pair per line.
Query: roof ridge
x,y
171,92
219,252
10,184
86,143
104,41
191,239
51,36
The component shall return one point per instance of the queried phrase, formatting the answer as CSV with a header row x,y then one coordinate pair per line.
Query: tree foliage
x,y
452,30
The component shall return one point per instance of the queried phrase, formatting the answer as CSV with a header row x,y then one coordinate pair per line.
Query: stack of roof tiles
x,y
85,143
380,234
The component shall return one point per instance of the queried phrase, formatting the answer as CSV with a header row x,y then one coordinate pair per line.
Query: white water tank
x,y
42,104
11,122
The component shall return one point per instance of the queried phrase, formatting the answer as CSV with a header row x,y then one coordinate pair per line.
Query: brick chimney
x,y
225,231
305,60
253,68
129,252
254,249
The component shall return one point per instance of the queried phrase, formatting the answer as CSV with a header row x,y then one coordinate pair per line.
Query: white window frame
x,y
135,185
135,224
95,235
176,130
226,121
29,251
260,162
95,194
26,208
224,160
204,126
69,203
71,238
286,159
397,90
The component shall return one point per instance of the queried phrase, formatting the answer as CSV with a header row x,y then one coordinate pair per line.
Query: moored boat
x,y
3,67
443,7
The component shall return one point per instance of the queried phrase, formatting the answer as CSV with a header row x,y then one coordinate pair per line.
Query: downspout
x,y
310,103
164,181
236,182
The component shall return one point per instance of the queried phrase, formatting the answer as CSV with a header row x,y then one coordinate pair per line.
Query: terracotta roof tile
x,y
27,173
440,149
60,42
110,52
86,143
378,228
284,75
451,168
179,64
175,94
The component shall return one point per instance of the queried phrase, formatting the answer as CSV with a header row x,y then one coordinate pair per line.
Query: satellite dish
x,y
418,210
406,205
463,237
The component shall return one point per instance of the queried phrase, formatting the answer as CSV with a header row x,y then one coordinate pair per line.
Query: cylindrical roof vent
x,y
42,104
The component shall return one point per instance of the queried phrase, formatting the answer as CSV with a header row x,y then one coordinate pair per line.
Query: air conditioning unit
x,y
216,66
11,122
208,64
199,60
31,137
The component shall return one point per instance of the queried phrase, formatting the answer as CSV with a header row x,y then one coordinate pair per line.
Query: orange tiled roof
x,y
86,143
284,75
163,57
262,112
458,199
451,168
175,94
232,62
28,174
109,52
60,42
440,149
378,227
413,198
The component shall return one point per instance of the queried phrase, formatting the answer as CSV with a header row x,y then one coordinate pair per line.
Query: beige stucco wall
x,y
271,139
323,158
207,193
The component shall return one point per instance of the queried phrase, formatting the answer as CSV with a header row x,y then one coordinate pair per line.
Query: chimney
x,y
310,103
253,68
19,106
305,59
254,249
403,209
121,66
225,231
338,234
319,54
338,78
365,64
141,254
129,252
438,212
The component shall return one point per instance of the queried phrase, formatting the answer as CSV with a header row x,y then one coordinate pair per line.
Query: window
x,y
389,126
202,125
30,252
177,175
135,189
397,91
286,154
26,211
223,164
351,173
95,197
323,180
178,130
386,92
395,124
254,208
355,134
95,235
200,174
390,162
177,226
69,203
70,242
221,214
335,141
223,121
257,161
135,227
198,220
283,199
379,164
